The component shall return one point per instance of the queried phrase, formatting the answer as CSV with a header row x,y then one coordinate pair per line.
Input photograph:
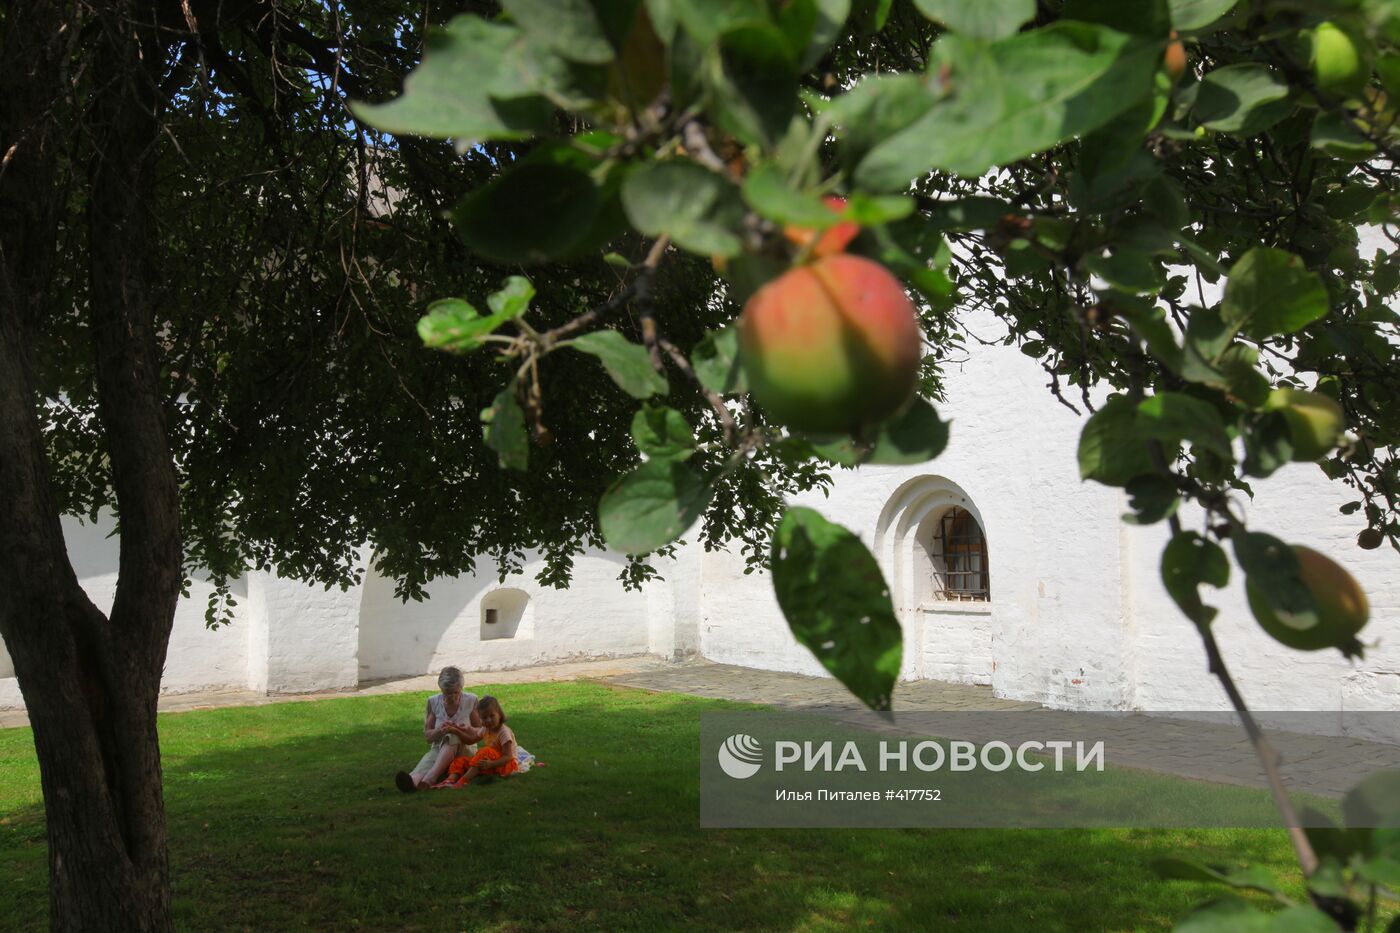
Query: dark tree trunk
x,y
90,682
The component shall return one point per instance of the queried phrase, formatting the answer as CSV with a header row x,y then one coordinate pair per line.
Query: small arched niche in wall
x,y
506,613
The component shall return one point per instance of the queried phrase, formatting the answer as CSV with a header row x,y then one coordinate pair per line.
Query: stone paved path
x,y
1210,749
798,691
212,699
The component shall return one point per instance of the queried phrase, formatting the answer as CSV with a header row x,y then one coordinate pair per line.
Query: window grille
x,y
960,558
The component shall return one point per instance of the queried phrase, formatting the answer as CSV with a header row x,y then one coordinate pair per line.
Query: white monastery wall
x,y
288,637
594,618
10,697
197,659
1077,617
1053,630
1299,505
301,638
674,605
740,622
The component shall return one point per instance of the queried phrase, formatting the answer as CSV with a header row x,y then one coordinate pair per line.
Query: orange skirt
x,y
461,763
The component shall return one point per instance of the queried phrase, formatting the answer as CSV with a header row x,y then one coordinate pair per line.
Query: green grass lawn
x,y
285,817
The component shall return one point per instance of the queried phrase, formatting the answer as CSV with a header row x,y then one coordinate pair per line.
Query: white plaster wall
x,y
1056,620
1078,617
310,633
740,622
198,658
1299,505
1055,627
10,697
594,618
673,604
257,638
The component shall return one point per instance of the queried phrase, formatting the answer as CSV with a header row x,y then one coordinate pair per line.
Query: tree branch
x,y
1263,749
635,289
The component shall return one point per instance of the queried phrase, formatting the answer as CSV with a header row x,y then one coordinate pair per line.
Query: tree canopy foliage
x,y
296,251
1165,202
236,238
1087,171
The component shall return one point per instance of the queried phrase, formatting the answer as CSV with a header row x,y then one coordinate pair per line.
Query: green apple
x,y
1315,422
1337,61
1342,609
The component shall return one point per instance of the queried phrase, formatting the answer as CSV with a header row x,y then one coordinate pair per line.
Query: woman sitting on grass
x,y
497,756
450,725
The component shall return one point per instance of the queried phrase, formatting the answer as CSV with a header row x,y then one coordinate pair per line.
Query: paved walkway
x,y
798,691
1212,749
1209,747
213,699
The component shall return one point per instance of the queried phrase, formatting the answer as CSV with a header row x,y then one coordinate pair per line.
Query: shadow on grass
x,y
285,817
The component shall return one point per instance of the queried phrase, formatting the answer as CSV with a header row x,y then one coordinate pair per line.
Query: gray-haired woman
x,y
450,726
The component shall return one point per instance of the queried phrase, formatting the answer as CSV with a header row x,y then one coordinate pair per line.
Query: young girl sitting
x,y
497,754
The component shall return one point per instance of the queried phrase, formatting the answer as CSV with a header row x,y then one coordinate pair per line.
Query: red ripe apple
x,y
831,346
833,239
1342,609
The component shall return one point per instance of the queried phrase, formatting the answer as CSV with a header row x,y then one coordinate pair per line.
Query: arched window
x,y
960,566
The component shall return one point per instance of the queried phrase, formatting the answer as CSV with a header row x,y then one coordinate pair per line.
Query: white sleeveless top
x,y
438,705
